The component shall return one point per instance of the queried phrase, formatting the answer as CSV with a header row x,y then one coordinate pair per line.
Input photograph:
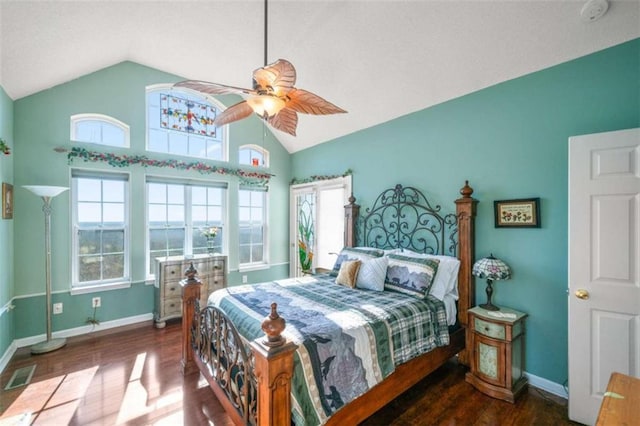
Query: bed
x,y
314,372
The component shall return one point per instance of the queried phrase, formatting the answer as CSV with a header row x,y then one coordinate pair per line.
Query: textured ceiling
x,y
377,59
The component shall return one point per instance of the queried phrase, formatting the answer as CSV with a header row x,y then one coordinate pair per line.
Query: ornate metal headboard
x,y
402,217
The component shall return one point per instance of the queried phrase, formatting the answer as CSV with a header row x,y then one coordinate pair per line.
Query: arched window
x,y
180,122
100,129
253,155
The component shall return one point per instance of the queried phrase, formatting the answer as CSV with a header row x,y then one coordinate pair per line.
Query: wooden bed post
x,y
190,294
466,213
351,212
273,362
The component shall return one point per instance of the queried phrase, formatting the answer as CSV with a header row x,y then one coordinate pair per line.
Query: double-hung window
x,y
178,212
101,228
252,211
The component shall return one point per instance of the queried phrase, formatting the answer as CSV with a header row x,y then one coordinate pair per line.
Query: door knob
x,y
582,294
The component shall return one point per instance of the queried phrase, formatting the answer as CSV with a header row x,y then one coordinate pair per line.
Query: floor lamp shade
x,y
47,193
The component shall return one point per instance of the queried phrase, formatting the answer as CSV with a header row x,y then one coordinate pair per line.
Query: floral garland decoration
x,y
315,178
114,160
4,148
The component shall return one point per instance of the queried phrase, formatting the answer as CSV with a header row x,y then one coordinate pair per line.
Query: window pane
x,y
113,266
113,190
244,156
199,215
113,213
178,143
89,189
175,215
175,238
175,194
214,150
256,215
89,213
256,234
157,239
244,254
113,241
89,242
199,195
244,235
256,253
244,198
215,196
214,214
89,268
157,214
112,135
244,214
157,193
257,198
88,131
197,146
158,141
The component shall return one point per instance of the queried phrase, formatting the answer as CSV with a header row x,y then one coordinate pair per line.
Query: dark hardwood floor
x,y
131,376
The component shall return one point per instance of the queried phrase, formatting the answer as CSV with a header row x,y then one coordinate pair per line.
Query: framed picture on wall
x,y
7,200
521,213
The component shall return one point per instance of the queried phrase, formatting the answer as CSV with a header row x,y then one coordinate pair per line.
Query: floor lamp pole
x,y
47,193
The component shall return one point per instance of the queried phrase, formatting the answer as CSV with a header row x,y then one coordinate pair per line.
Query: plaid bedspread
x,y
348,339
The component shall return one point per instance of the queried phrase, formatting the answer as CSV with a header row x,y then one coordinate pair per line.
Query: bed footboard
x,y
252,382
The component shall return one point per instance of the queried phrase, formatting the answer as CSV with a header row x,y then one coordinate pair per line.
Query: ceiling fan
x,y
273,96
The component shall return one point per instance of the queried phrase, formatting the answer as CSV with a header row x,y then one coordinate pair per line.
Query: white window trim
x,y
255,266
78,118
150,278
203,97
117,283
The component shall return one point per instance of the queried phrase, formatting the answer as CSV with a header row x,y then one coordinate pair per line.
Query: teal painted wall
x,y
6,226
41,123
509,141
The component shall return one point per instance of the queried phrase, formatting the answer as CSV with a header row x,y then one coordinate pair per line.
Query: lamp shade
x,y
45,190
491,269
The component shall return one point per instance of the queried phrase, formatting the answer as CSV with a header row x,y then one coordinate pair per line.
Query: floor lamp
x,y
47,193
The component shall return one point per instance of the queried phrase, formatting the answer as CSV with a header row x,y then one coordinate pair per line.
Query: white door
x,y
604,265
317,223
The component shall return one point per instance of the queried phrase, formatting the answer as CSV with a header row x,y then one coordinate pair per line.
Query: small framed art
x,y
521,213
7,200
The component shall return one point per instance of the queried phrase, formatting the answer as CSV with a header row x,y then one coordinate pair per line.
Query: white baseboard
x,y
85,329
7,355
547,385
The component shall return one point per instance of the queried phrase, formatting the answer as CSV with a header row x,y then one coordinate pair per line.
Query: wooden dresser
x,y
621,402
212,271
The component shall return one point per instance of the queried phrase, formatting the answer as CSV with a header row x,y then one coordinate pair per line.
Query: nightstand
x,y
497,352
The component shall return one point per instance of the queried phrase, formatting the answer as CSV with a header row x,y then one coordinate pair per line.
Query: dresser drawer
x,y
172,306
497,331
172,289
172,271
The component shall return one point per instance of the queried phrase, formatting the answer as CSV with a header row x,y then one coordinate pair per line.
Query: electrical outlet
x,y
244,279
95,302
57,308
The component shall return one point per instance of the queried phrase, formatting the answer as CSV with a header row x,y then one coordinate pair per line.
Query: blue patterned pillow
x,y
372,274
410,275
355,253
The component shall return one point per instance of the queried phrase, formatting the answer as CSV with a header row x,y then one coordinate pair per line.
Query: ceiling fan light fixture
x,y
266,105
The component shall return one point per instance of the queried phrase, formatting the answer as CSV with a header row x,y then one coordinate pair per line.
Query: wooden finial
x,y
466,190
191,272
273,326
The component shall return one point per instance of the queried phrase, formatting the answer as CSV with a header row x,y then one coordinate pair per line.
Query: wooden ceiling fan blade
x,y
233,113
286,121
212,88
279,76
309,103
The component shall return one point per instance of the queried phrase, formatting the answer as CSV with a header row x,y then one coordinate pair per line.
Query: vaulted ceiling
x,y
377,59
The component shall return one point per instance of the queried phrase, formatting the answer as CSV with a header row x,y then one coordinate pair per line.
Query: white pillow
x,y
446,280
372,274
